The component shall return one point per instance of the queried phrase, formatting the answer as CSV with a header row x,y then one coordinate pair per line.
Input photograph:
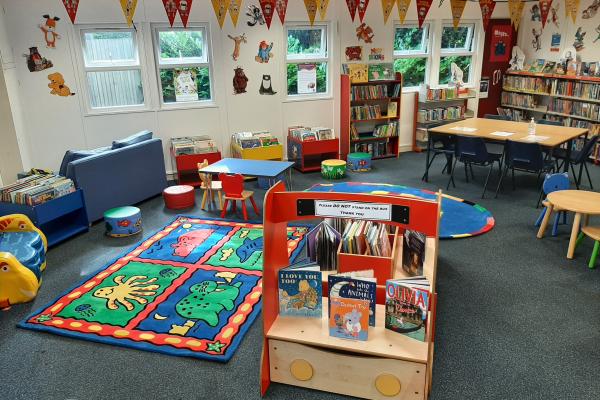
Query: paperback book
x,y
413,252
354,285
381,72
349,318
407,302
300,290
322,244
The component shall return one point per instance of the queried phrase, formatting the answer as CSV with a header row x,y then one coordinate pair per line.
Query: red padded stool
x,y
179,196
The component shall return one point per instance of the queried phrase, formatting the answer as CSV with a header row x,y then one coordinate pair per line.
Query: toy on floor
x,y
22,259
333,169
179,197
359,162
553,183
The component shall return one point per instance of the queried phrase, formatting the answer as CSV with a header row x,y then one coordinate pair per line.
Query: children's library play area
x,y
299,199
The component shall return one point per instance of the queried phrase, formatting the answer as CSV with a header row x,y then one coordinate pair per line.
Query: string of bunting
x,y
515,8
545,10
171,10
571,8
457,7
268,10
323,5
311,9
234,11
362,9
220,7
352,6
71,7
403,9
281,8
423,7
387,6
487,8
128,7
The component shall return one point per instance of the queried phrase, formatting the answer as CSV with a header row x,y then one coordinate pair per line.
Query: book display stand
x,y
299,351
307,156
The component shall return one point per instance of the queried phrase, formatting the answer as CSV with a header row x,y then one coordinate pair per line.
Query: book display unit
x,y
370,117
300,350
307,151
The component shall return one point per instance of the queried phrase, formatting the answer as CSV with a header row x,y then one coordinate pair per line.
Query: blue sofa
x,y
130,171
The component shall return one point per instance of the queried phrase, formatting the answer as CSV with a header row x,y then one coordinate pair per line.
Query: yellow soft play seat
x,y
22,259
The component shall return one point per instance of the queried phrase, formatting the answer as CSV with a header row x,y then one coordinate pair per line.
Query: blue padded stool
x,y
554,183
123,221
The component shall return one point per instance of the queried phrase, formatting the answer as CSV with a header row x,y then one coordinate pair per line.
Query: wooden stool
x,y
123,221
333,169
179,196
209,187
233,186
594,233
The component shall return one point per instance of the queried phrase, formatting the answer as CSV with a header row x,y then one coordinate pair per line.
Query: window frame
x,y
426,40
471,38
326,41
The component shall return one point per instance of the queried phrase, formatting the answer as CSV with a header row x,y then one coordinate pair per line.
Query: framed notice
x,y
307,78
500,43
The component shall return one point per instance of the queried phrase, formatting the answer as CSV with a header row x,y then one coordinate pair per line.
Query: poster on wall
x,y
307,78
484,87
555,42
500,43
186,86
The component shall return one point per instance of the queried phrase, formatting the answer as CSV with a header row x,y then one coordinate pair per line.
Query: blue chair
x,y
472,151
549,122
440,144
498,117
578,157
553,183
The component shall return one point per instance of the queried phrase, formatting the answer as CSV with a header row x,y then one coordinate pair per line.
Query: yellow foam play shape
x,y
18,284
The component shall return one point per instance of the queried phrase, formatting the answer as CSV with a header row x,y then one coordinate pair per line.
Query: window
x,y
307,60
182,58
112,68
411,53
456,47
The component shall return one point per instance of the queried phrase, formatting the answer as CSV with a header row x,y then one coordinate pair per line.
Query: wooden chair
x,y
209,187
233,186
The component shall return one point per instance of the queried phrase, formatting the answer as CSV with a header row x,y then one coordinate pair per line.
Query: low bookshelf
x,y
308,155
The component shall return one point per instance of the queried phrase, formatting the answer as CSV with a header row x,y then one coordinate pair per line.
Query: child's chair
x,y
209,187
594,233
554,183
233,186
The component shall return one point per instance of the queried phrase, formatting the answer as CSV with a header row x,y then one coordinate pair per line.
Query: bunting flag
x,y
422,10
234,10
571,8
268,9
515,8
403,9
387,6
457,7
171,10
352,6
71,6
281,8
184,7
220,7
128,7
545,10
487,8
323,5
362,9
311,9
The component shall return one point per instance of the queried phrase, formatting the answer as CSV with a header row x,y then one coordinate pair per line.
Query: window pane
x,y
185,84
292,79
109,46
115,88
463,62
177,45
409,39
412,69
306,41
459,38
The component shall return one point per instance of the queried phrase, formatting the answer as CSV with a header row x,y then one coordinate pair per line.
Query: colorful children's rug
x,y
192,289
460,218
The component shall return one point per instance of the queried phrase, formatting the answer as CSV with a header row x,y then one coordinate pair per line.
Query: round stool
x,y
333,169
359,162
123,221
179,196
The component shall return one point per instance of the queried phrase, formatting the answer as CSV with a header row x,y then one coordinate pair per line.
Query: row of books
x,y
193,145
518,99
564,67
426,93
365,112
307,134
366,237
36,189
362,73
249,140
441,114
386,130
526,83
575,108
583,90
369,92
376,149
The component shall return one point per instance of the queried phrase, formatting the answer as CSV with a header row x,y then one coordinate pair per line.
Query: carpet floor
x,y
515,318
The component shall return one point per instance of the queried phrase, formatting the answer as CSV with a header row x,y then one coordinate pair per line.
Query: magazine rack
x,y
299,351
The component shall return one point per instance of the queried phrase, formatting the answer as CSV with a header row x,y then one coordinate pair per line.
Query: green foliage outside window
x,y
407,39
176,44
412,69
455,38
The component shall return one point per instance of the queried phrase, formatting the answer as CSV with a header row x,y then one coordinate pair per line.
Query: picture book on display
x,y
407,302
381,72
349,318
413,252
300,290
354,285
322,244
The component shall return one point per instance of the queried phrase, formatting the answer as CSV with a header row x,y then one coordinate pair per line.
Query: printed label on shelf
x,y
502,133
350,209
464,129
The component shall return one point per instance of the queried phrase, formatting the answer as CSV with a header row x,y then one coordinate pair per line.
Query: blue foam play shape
x,y
27,247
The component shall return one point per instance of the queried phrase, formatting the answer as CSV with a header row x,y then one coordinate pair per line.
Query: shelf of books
x,y
256,146
435,107
370,110
308,147
187,152
357,317
569,94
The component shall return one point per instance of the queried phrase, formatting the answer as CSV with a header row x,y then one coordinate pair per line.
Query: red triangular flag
x,y
352,6
487,8
71,6
281,8
184,7
171,10
362,9
422,10
268,9
545,10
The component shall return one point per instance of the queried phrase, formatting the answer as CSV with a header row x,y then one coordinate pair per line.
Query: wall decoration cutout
x,y
517,61
49,30
352,6
457,7
515,8
322,5
535,13
376,54
266,86
35,61
579,36
545,6
353,53
365,33
128,7
268,10
362,9
171,10
597,34
403,9
220,8
536,42
386,7
555,42
184,7
554,15
234,11
591,11
307,78
57,84
264,52
71,7
487,8
281,8
500,43
237,42
422,10
240,81
571,8
311,9
255,16
186,86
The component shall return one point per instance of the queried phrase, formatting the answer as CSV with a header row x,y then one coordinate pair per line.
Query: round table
x,y
580,202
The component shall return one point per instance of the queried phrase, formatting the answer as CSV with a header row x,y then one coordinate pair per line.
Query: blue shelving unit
x,y
59,219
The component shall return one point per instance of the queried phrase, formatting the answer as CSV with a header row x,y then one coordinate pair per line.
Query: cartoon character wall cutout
x,y
554,14
591,11
57,84
240,81
536,42
365,33
237,40
579,36
266,86
353,53
535,13
49,30
35,62
264,52
597,33
376,54
255,16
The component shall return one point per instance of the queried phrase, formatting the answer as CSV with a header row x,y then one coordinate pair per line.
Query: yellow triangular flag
x,y
220,7
234,10
515,8
571,8
457,6
403,9
387,6
128,7
311,9
323,4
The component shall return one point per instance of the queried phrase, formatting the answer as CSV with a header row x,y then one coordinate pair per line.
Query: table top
x,y
260,168
555,135
580,201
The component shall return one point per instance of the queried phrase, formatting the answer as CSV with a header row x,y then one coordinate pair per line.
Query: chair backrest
x,y
447,141
205,178
471,149
555,182
233,185
586,150
549,122
494,116
526,156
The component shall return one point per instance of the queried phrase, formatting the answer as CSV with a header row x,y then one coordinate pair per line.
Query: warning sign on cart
x,y
355,210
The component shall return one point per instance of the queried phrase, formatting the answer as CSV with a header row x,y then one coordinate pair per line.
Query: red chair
x,y
233,189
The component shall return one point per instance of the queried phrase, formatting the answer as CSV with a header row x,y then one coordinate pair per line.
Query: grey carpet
x,y
515,319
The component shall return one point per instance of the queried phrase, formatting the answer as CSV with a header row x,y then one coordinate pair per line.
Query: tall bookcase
x,y
572,100
366,126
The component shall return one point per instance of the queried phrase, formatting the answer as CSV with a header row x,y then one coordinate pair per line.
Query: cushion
x,y
73,155
133,139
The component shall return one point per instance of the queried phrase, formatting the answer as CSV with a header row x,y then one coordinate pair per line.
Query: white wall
x,y
51,125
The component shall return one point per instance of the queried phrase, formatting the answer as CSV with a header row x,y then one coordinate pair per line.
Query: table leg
x,y
544,223
574,232
568,160
426,176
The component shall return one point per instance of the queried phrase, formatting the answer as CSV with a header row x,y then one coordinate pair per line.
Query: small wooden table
x,y
580,202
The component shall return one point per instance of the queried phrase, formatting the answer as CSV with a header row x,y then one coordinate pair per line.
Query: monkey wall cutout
x,y
49,29
237,40
266,87
240,81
